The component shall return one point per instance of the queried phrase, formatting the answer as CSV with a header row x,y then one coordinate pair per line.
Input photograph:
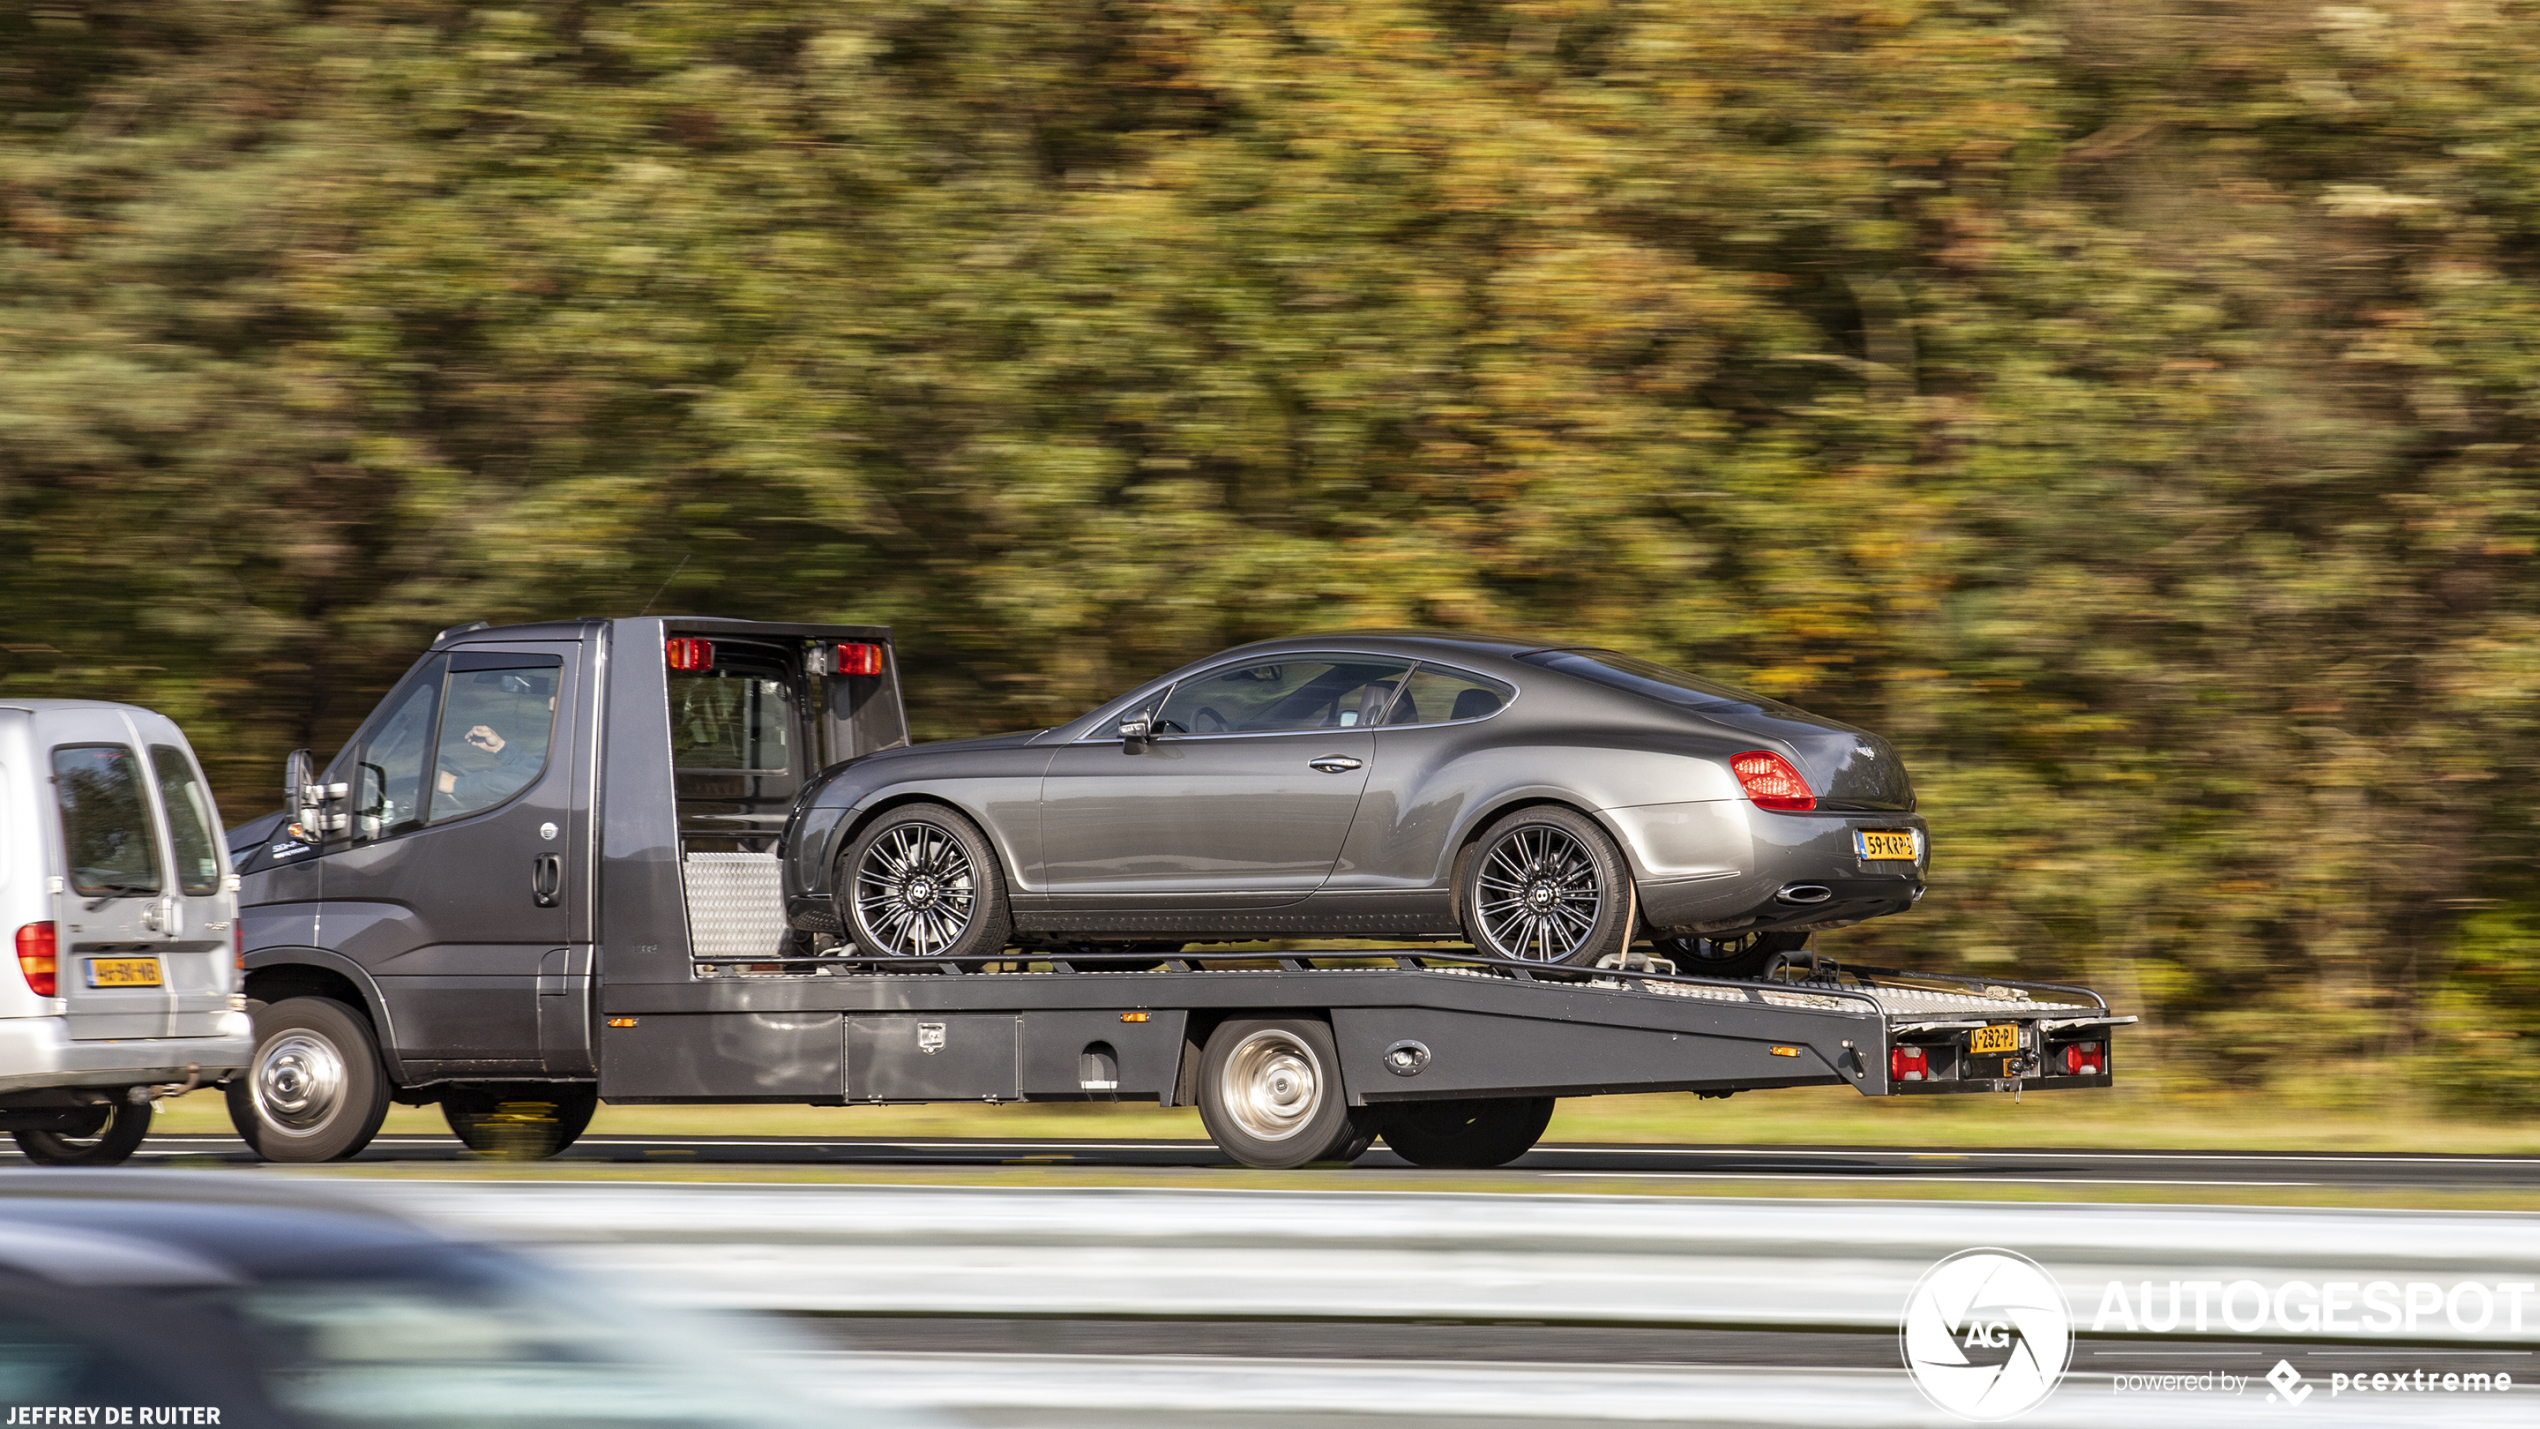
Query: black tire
x,y
1740,955
1545,884
1467,1134
519,1121
1270,1093
922,882
114,1133
315,1090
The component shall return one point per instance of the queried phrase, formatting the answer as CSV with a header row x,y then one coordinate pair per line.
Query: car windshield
x,y
451,1337
1659,682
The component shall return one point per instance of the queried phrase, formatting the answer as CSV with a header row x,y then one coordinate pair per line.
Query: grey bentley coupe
x,y
1549,804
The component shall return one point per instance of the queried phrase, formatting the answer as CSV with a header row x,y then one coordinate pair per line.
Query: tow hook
x,y
143,1095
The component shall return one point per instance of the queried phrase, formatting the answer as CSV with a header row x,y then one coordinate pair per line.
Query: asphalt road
x,y
1559,1167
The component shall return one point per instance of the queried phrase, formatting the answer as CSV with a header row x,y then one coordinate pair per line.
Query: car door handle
x,y
546,879
1333,764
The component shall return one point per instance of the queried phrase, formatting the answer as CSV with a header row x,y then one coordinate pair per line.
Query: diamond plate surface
x,y
736,904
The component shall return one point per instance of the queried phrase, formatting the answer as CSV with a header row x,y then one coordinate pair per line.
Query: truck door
x,y
110,906
465,866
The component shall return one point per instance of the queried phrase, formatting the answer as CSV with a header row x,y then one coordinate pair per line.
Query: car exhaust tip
x,y
1805,893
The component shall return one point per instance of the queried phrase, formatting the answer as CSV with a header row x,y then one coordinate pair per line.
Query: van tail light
x,y
238,943
1909,1064
858,660
689,653
1771,782
38,957
2084,1059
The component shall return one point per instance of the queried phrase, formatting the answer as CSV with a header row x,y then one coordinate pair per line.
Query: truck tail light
x,y
858,660
2084,1059
1908,1064
689,653
1771,782
38,957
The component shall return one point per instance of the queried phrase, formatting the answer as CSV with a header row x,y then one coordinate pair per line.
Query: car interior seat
x,y
1475,703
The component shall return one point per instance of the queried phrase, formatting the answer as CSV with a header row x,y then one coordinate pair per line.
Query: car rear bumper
x,y
38,1052
1725,865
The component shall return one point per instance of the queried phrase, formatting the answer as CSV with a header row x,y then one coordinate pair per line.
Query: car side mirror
x,y
1137,730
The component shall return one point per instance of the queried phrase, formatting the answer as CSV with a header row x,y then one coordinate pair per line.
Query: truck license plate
x,y
1999,1037
1886,843
123,972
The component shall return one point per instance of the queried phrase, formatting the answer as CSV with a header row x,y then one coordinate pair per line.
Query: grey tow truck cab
x,y
122,907
546,870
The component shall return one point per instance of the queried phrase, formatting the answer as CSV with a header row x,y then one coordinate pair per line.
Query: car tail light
x,y
2084,1059
858,660
1770,781
1909,1064
689,653
38,957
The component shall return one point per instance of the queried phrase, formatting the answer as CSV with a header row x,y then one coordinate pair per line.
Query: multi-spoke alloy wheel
x,y
922,883
1546,885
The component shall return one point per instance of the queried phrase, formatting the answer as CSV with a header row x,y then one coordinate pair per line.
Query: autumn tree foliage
x,y
2128,405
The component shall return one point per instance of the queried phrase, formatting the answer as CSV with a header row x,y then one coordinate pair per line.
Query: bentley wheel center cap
x,y
1541,895
920,891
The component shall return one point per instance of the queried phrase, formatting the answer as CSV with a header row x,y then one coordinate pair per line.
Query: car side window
x,y
388,764
1436,695
105,820
497,719
1298,692
191,820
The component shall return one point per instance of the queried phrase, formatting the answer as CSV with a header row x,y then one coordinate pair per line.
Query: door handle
x,y
1333,764
546,879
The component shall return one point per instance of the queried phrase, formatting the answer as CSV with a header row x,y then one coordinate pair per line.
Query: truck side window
x,y
495,728
190,820
105,822
388,766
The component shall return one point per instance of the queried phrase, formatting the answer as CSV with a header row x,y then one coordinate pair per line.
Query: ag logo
x,y
1986,1334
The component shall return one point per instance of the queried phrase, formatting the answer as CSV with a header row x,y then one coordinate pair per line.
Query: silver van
x,y
116,888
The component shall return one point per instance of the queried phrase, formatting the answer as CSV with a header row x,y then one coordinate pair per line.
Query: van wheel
x,y
519,1121
112,1133
922,882
1546,885
315,1090
1467,1134
1270,1094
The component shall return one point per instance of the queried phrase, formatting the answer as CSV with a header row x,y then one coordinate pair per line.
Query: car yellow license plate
x,y
1999,1037
123,972
1887,843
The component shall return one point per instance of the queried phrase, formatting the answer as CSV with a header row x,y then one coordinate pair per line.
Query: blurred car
x,y
1543,803
285,1308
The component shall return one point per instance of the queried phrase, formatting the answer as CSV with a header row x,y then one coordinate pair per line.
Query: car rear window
x,y
1659,682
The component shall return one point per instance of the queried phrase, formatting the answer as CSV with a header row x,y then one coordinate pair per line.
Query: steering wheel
x,y
1166,726
1208,721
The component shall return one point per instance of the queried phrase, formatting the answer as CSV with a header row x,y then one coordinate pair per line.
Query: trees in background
x,y
2128,408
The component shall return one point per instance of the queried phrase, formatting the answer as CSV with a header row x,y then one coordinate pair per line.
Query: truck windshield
x,y
105,820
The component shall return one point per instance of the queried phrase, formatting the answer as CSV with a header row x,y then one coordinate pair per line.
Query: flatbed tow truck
x,y
598,915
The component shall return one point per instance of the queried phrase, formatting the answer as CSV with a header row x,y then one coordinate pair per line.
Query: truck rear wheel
x,y
519,1121
315,1090
111,1134
922,882
1270,1094
1467,1134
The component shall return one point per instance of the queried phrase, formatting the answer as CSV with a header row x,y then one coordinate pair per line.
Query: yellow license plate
x,y
123,972
2000,1037
1887,843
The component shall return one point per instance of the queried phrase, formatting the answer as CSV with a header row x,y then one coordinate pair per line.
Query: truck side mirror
x,y
300,799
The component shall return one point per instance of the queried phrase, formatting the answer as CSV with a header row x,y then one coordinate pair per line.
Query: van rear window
x,y
105,820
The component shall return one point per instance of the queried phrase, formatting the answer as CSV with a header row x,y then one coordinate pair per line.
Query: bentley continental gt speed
x,y
1550,804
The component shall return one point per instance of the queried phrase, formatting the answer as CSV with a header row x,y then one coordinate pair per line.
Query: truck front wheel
x,y
1270,1094
315,1090
519,1121
1468,1134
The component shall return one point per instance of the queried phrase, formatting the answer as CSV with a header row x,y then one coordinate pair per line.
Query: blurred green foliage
x,y
2127,405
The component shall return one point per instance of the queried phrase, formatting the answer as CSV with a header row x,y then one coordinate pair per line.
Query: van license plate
x,y
123,972
1886,843
2000,1037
